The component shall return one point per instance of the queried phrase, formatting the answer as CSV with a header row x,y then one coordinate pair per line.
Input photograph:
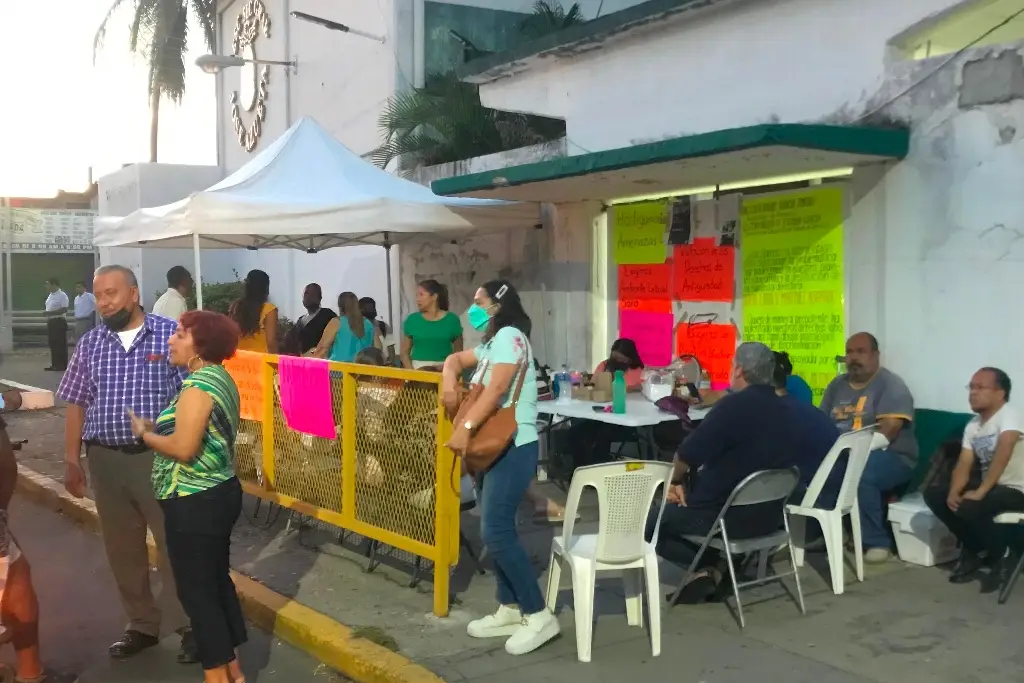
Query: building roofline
x,y
577,39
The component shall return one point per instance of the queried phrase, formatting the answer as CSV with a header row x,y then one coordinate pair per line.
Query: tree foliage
x,y
158,32
445,121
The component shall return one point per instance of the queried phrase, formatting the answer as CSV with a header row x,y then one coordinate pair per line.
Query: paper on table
x,y
306,396
246,368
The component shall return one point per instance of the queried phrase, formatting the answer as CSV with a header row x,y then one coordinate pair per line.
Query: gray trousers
x,y
83,325
127,506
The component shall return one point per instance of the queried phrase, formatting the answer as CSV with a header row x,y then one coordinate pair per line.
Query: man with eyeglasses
x,y
987,481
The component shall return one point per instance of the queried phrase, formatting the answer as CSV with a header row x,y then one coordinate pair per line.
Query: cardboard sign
x,y
652,333
704,272
714,346
246,368
645,282
638,232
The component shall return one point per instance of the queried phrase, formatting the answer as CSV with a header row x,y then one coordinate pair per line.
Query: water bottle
x,y
619,393
560,380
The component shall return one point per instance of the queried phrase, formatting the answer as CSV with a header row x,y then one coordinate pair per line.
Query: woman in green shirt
x,y
195,483
433,334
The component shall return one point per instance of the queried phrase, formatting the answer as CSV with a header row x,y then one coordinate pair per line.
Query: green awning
x,y
724,157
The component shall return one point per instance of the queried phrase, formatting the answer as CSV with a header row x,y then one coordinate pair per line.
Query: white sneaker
x,y
506,621
877,555
536,630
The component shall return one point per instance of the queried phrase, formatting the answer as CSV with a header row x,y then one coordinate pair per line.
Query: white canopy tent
x,y
307,191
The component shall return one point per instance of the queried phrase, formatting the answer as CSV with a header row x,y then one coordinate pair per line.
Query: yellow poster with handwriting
x,y
791,248
638,232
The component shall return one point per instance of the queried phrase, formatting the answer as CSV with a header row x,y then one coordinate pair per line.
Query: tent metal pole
x,y
199,271
387,265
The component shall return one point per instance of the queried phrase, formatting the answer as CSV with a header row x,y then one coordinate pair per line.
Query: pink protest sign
x,y
652,333
306,396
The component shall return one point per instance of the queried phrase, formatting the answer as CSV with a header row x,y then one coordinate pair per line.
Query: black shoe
x,y
131,644
966,568
189,652
698,591
1000,574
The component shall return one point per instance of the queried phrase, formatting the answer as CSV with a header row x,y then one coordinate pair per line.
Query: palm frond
x,y
101,32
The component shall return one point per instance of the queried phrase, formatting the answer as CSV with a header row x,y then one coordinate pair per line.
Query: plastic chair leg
x,y
554,578
832,528
653,585
798,538
1004,594
632,580
583,605
858,545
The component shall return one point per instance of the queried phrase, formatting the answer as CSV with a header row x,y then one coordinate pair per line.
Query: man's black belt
x,y
130,449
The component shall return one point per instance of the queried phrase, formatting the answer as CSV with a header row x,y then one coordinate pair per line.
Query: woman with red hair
x,y
194,480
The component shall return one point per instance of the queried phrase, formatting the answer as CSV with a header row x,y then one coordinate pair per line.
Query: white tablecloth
x,y
639,412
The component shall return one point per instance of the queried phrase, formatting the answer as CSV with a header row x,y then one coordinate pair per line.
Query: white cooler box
x,y
920,537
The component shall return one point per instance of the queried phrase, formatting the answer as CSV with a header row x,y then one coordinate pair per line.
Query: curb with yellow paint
x,y
332,643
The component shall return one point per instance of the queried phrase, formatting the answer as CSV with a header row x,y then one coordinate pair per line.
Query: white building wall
x,y
147,185
933,243
747,63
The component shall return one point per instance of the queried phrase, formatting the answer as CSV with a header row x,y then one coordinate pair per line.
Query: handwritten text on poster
x,y
713,345
652,333
638,232
246,368
703,271
792,263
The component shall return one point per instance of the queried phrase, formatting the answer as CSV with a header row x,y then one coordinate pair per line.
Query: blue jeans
x,y
884,472
502,488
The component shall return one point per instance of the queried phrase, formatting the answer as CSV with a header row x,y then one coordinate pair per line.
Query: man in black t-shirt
x,y
309,328
748,430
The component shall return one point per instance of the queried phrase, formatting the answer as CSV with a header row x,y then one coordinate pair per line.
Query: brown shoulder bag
x,y
493,436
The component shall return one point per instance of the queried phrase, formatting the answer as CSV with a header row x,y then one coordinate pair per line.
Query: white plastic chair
x,y
858,443
1018,519
625,490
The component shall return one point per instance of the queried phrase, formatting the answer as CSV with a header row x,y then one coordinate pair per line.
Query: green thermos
x,y
619,392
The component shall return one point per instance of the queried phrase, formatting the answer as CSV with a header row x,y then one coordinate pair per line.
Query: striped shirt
x,y
215,462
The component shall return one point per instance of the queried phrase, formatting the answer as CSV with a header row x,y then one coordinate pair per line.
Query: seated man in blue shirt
x,y
816,434
749,430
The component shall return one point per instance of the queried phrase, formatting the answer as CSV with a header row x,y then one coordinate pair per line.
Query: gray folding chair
x,y
767,486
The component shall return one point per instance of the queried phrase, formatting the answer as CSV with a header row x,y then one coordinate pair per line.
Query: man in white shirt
x,y
85,310
172,303
988,480
57,325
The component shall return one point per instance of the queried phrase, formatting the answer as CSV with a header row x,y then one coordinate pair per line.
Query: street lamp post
x,y
213,64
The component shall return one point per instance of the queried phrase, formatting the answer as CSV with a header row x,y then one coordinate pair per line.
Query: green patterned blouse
x,y
215,462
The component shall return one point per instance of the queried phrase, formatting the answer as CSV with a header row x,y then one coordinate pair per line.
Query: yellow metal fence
x,y
387,476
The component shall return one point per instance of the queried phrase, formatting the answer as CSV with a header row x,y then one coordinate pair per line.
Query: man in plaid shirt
x,y
119,366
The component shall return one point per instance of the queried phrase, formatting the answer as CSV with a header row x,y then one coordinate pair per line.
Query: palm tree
x,y
445,121
159,32
548,18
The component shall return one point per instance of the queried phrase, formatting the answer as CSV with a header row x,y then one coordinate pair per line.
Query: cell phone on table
x,y
598,409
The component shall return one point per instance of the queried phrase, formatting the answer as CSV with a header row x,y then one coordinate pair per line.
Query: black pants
x,y
198,529
57,337
972,522
677,522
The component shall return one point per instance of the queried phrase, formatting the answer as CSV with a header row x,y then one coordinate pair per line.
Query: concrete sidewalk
x,y
902,625
81,614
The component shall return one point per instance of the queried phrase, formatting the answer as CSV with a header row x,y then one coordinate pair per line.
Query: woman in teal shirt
x,y
433,334
497,311
347,335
